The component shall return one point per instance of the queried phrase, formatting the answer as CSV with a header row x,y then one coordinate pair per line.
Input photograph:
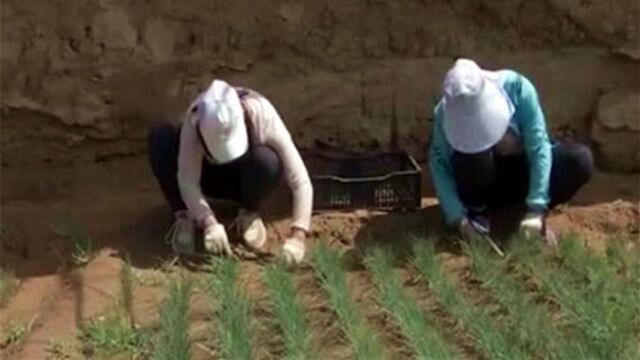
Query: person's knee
x,y
163,143
267,161
581,158
474,175
161,134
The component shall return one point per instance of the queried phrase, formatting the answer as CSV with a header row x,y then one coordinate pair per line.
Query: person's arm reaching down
x,y
190,158
537,146
442,173
295,172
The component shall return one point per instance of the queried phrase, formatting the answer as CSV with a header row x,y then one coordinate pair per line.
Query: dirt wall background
x,y
82,80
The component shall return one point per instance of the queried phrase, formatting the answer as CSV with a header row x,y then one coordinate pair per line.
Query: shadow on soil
x,y
396,232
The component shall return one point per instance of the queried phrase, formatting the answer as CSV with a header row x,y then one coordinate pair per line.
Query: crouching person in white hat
x,y
232,144
490,148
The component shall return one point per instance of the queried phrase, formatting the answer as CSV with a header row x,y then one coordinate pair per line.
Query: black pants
x,y
247,180
491,180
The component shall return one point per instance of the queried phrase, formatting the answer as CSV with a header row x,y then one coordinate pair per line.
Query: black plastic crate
x,y
381,181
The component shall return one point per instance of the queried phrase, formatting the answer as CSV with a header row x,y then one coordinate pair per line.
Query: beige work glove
x,y
532,224
216,240
293,251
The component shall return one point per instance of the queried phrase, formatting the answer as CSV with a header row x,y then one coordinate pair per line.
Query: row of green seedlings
x,y
235,326
489,340
528,331
329,268
82,251
596,297
116,332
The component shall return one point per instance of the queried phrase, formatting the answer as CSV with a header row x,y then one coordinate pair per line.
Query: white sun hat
x,y
477,110
218,117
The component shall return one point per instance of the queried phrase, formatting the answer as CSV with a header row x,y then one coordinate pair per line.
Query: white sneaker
x,y
252,229
181,235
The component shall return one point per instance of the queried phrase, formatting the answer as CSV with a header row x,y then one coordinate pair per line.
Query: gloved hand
x,y
216,240
470,228
532,224
294,248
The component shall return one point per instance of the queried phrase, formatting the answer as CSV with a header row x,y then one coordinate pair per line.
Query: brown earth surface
x,y
125,214
83,80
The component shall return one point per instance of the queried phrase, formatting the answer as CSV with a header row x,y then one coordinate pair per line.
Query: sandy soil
x,y
124,213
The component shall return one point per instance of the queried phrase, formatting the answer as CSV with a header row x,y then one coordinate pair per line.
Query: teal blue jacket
x,y
528,122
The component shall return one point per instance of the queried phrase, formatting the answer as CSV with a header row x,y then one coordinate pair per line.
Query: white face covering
x,y
218,117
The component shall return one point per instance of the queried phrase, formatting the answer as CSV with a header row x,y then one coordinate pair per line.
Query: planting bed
x,y
374,286
572,303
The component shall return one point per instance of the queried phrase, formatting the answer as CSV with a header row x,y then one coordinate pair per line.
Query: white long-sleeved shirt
x,y
266,128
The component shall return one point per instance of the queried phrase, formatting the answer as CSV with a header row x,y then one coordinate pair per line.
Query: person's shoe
x,y
181,235
252,229
479,219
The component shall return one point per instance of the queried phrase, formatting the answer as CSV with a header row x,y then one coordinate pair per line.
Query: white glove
x,y
293,251
216,240
532,225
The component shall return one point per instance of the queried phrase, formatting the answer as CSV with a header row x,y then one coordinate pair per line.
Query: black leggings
x,y
491,180
247,180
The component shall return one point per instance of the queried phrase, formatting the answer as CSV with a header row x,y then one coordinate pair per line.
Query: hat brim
x,y
223,147
475,125
232,147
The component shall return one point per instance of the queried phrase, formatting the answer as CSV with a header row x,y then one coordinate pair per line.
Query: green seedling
x,y
489,339
233,310
112,335
331,274
14,335
529,322
8,285
592,298
82,251
126,288
173,340
421,332
289,313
